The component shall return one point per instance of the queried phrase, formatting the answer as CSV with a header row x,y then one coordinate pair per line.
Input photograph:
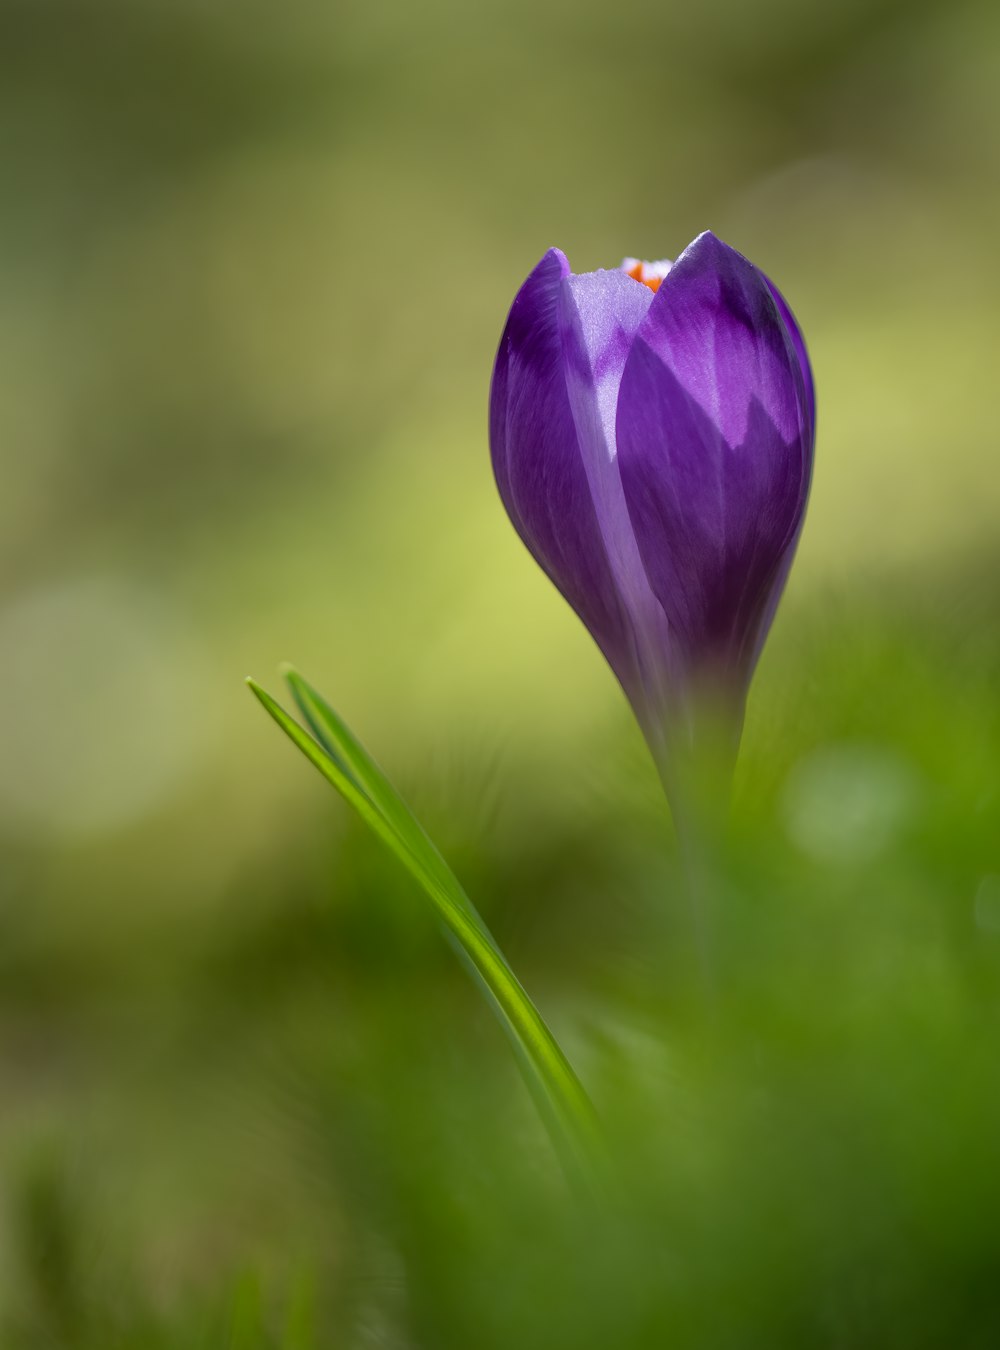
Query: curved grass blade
x,y
342,745
344,762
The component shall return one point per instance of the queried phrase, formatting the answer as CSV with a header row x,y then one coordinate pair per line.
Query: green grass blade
x,y
344,762
339,741
334,772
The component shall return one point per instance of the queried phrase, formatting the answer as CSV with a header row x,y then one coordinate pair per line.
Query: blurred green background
x,y
255,261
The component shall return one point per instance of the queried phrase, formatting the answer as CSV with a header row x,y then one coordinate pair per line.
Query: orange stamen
x,y
638,273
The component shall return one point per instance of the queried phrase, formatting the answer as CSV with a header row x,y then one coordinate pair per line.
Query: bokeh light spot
x,y
849,803
987,905
99,720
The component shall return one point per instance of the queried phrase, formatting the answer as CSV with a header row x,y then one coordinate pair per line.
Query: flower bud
x,y
652,434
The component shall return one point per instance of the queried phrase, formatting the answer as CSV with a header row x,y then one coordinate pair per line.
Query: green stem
x,y
695,759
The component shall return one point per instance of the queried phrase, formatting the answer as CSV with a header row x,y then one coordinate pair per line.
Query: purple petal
x,y
600,315
714,434
538,463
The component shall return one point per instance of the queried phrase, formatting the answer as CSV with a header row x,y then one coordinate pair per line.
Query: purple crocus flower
x,y
652,434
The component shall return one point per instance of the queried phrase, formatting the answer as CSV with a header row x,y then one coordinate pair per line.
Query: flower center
x,y
651,274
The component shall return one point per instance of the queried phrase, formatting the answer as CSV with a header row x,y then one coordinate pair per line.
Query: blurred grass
x,y
255,263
